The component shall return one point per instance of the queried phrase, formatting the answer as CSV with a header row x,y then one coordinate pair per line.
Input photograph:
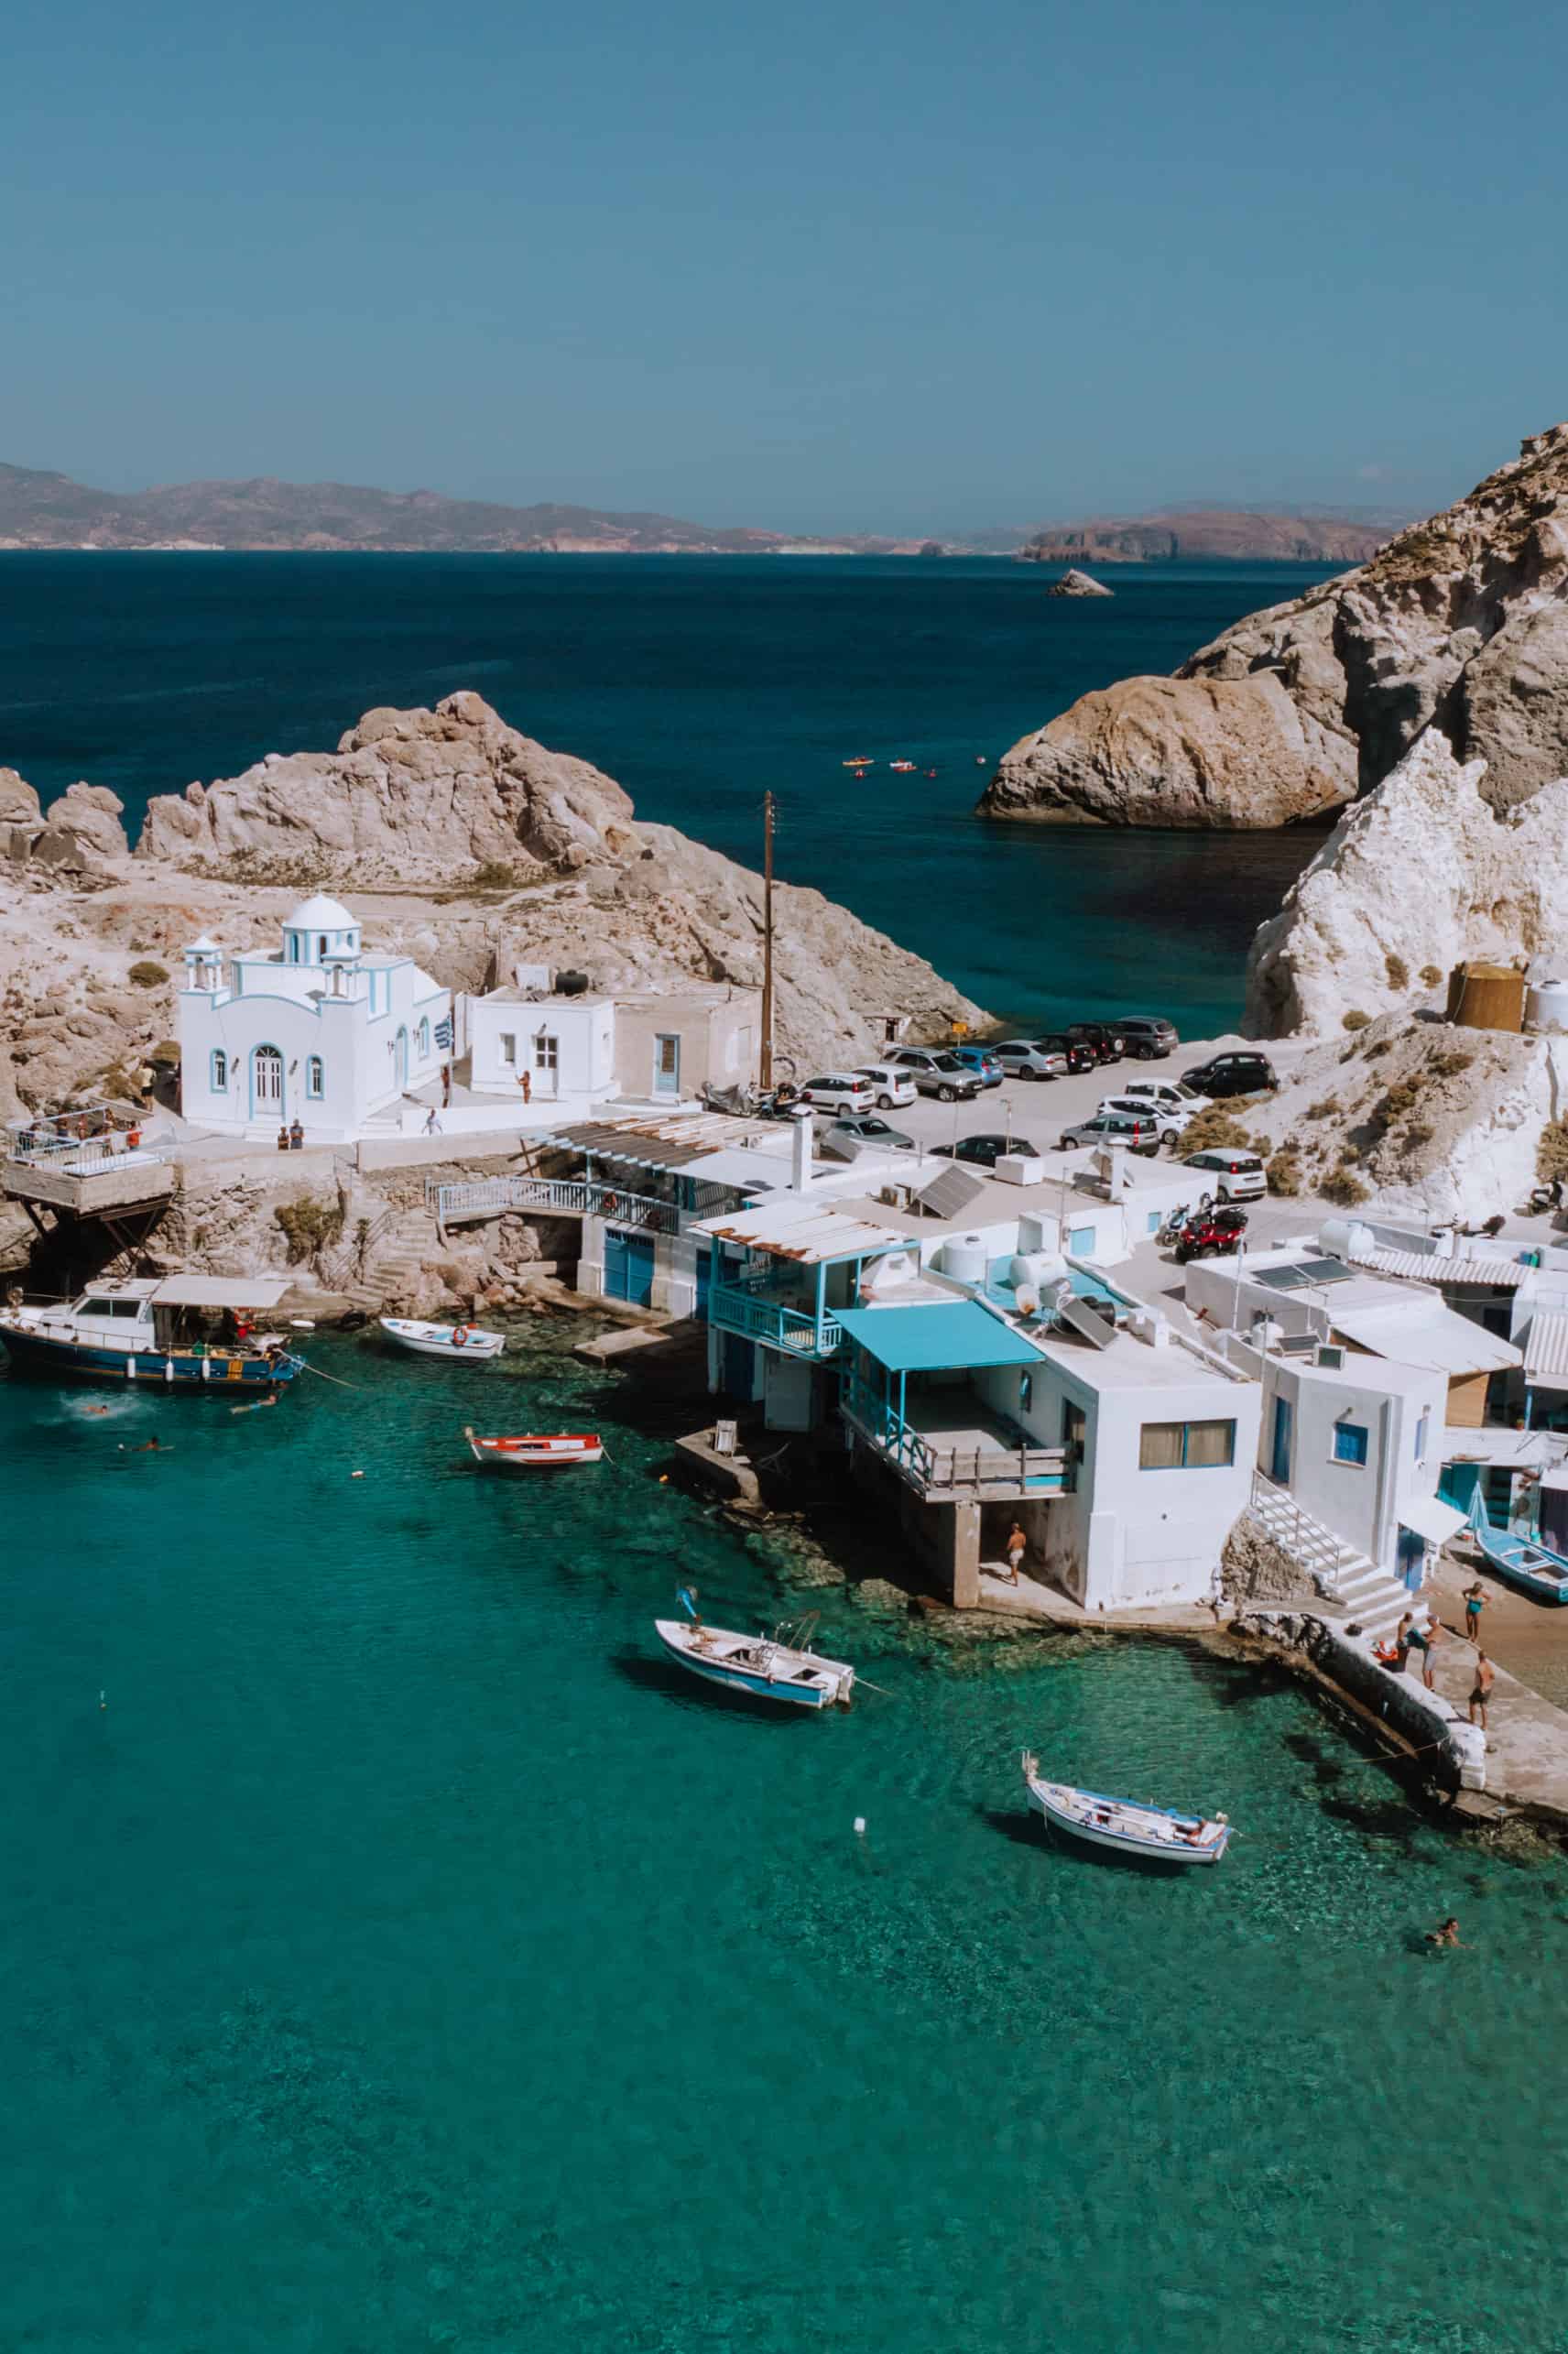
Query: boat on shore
x,y
467,1342
1533,1567
1125,1825
767,1667
531,1451
186,1332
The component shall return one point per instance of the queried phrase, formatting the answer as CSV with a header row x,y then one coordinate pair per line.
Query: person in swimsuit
x,y
1446,1933
1409,1638
1436,1632
1475,1603
1486,1676
1018,1545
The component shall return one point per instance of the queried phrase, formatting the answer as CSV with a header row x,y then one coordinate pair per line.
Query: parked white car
x,y
1168,1093
1170,1120
839,1091
893,1086
1230,1176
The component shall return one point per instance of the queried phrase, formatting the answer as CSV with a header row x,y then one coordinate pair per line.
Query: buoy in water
x,y
860,1827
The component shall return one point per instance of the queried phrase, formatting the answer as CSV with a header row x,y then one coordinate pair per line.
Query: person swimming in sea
x,y
148,1447
1446,1933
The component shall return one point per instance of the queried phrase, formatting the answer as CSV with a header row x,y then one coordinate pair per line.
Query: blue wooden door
x,y
1280,1467
629,1267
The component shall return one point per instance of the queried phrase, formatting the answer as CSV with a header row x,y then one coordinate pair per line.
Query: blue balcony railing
x,y
739,1308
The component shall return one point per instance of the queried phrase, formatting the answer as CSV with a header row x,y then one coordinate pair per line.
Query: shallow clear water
x,y
699,683
404,1958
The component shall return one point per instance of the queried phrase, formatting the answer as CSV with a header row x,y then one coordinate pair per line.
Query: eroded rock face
x,y
1422,874
1201,752
80,834
1460,622
409,796
1076,583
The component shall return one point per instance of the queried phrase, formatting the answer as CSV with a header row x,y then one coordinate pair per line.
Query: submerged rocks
x,y
1460,622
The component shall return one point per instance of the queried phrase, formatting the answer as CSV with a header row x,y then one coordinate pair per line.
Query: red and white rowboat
x,y
533,1452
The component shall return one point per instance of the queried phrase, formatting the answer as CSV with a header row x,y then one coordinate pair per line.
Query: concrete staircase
x,y
1362,1594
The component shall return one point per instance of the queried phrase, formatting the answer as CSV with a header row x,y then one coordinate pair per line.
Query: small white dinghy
x,y
531,1451
469,1341
766,1667
1124,1824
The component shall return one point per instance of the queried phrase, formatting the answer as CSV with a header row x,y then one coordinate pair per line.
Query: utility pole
x,y
765,1066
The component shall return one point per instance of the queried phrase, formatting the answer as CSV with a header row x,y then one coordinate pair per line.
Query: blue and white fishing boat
x,y
766,1667
185,1332
1534,1568
1126,1825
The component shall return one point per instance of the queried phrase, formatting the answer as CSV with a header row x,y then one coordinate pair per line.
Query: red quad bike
x,y
1210,1233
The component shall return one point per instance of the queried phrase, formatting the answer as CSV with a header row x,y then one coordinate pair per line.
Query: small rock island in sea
x,y
1077,584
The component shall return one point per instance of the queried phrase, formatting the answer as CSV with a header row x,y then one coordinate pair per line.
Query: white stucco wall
x,y
1360,1502
291,1009
585,1032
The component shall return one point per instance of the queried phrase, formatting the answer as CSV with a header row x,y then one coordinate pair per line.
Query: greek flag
x,y
443,1032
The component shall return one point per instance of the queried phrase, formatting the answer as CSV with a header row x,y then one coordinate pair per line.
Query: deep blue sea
x,y
698,682
398,1955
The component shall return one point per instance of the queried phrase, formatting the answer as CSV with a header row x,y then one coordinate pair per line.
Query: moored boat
x,y
1125,1825
187,1332
531,1451
469,1342
1534,1568
765,1666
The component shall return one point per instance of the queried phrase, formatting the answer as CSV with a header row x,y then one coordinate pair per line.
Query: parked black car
x,y
1107,1043
1081,1055
1234,1074
984,1151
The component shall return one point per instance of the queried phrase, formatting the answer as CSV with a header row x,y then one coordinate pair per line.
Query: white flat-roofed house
x,y
315,1030
541,1046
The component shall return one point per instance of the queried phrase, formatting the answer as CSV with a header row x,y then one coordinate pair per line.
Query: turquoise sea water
x,y
699,683
403,1957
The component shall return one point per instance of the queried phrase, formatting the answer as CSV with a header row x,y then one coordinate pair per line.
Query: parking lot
x,y
1039,1110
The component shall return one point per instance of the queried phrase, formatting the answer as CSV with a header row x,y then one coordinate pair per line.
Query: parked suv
x,y
983,1062
1139,1136
1234,1074
893,1086
1230,1176
1150,1037
839,1091
937,1072
1022,1057
1107,1043
1169,1122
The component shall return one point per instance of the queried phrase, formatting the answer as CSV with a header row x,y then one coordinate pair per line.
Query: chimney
x,y
801,1152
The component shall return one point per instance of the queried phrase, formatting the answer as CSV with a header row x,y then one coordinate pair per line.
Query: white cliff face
x,y
1422,874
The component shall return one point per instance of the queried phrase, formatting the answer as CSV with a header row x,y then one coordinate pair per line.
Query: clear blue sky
x,y
814,266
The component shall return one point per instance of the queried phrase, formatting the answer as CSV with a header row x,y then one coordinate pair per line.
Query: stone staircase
x,y
1362,1594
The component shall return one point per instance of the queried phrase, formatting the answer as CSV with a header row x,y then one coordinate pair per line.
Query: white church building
x,y
314,1030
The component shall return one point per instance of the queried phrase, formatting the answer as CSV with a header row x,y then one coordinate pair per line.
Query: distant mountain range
x,y
50,511
1209,535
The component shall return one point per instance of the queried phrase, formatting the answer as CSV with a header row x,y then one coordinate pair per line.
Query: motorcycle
x,y
1212,1234
1543,1198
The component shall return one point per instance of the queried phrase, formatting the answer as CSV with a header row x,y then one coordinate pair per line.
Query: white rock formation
x,y
1421,875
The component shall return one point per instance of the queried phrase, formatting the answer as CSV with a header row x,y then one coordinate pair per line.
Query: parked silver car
x,y
1020,1058
864,1127
1171,1121
1139,1136
937,1072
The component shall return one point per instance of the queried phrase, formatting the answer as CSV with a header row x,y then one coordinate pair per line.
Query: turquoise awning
x,y
928,1340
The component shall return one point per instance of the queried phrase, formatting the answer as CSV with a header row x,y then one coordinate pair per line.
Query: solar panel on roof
x,y
949,1196
1280,1279
1327,1271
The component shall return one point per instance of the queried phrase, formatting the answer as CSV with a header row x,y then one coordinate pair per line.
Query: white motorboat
x,y
1125,1824
463,1341
531,1451
766,1667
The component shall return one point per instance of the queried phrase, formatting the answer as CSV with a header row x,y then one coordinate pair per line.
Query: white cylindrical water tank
x,y
1345,1237
1546,1005
1035,1271
963,1257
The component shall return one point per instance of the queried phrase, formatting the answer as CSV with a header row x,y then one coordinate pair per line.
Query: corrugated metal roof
x,y
1425,1334
1426,1267
1546,1350
929,1340
651,1142
797,1228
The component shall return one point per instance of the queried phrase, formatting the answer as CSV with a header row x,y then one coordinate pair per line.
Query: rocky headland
x,y
1459,624
1208,535
462,842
